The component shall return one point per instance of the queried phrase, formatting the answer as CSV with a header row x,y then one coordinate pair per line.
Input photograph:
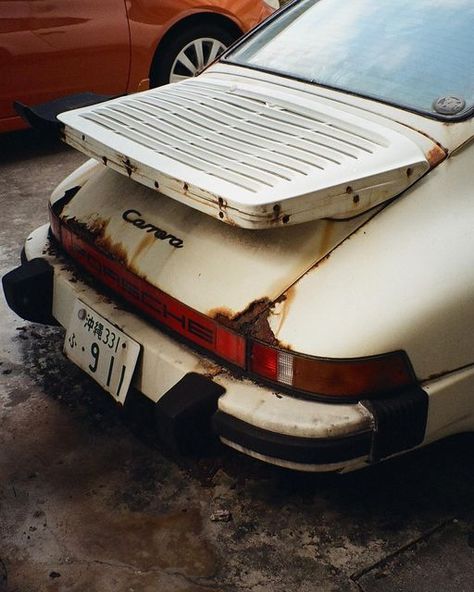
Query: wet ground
x,y
90,502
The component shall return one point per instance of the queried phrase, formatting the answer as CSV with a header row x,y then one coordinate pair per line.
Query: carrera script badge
x,y
134,217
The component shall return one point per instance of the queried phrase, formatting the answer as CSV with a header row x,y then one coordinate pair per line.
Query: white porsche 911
x,y
281,248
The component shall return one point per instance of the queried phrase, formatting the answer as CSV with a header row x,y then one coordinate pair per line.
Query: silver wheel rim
x,y
194,57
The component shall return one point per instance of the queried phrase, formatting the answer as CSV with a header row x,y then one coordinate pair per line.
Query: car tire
x,y
187,53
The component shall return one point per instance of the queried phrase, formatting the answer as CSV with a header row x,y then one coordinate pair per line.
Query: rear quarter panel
x,y
404,280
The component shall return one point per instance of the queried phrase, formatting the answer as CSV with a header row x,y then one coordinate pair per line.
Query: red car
x,y
54,48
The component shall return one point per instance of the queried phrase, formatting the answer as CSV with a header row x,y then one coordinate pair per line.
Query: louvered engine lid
x,y
251,158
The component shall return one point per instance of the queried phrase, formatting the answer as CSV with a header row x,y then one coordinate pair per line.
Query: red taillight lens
x,y
230,346
352,379
264,361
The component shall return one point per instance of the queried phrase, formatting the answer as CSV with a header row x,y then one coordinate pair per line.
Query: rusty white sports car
x,y
280,251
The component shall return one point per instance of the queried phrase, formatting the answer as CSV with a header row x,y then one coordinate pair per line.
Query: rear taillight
x,y
352,378
230,346
336,379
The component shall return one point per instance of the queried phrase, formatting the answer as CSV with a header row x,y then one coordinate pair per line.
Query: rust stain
x,y
95,232
233,320
97,227
90,230
251,322
262,331
435,155
115,250
286,300
276,216
322,260
138,272
229,221
224,212
326,236
129,167
222,314
209,368
276,212
146,243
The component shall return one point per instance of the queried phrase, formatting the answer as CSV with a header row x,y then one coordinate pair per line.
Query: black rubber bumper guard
x,y
29,290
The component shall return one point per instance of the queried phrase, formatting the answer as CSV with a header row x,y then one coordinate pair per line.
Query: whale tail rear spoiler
x,y
252,157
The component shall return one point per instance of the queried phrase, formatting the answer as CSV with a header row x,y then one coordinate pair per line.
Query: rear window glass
x,y
413,53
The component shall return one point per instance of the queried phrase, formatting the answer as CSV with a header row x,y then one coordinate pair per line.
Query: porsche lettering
x,y
169,312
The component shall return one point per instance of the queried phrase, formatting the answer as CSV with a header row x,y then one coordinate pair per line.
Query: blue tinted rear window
x,y
414,53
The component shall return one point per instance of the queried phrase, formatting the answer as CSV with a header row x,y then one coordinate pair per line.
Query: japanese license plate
x,y
100,349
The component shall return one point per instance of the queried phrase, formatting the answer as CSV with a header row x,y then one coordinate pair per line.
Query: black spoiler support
x,y
43,117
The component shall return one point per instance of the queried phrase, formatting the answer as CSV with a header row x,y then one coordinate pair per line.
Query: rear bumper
x,y
308,452
188,388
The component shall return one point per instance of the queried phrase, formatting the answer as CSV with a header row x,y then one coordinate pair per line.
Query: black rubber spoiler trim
x,y
44,116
